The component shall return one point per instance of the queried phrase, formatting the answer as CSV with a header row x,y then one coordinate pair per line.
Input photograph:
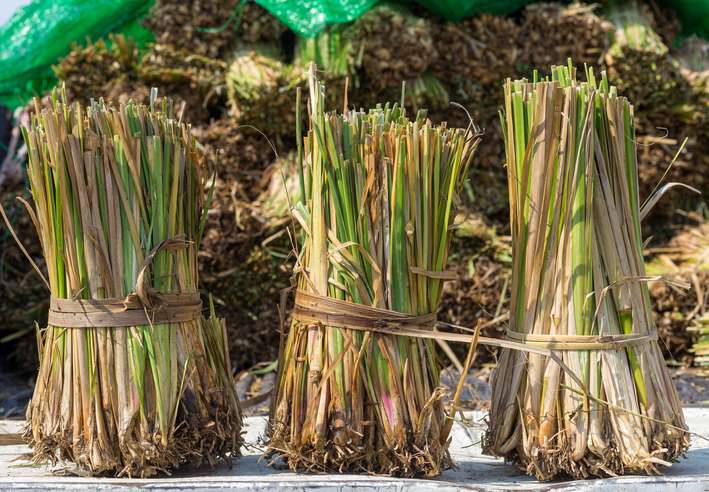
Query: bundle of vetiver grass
x,y
599,401
132,380
379,192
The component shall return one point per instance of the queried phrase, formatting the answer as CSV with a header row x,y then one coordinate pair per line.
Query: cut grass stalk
x,y
379,193
111,186
578,271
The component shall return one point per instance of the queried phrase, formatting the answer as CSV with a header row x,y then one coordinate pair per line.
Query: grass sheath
x,y
379,193
578,270
109,184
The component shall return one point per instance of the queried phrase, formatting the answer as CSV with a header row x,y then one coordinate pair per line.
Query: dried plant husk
x,y
480,293
24,296
234,262
681,313
255,24
682,303
391,45
378,194
664,21
95,70
553,33
641,65
211,27
191,79
261,92
129,400
674,155
117,72
482,49
577,269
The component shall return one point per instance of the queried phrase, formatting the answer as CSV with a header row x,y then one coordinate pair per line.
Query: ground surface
x,y
474,471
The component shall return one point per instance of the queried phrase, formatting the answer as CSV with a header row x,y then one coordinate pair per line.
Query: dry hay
x,y
211,27
657,147
640,64
480,292
481,49
101,69
243,274
116,71
392,44
553,33
684,261
262,92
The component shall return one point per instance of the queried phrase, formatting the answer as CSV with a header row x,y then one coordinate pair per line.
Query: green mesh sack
x,y
308,17
40,33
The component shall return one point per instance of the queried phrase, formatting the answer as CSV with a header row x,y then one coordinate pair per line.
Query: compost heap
x,y
235,69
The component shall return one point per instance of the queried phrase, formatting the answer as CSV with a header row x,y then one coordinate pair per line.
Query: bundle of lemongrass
x,y
596,399
119,199
379,193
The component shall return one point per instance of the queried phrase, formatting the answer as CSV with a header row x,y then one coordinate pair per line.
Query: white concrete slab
x,y
474,471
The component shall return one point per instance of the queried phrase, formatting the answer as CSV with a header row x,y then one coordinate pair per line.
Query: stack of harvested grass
x,y
392,46
196,81
599,401
117,72
482,49
234,261
480,292
378,194
261,92
552,33
211,27
24,298
254,24
680,313
641,66
102,69
132,380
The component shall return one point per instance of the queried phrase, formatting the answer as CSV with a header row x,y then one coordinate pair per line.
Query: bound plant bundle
x,y
132,379
480,48
596,400
553,33
261,92
392,44
641,66
379,190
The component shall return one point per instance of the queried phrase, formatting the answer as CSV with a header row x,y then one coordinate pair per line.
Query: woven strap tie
x,y
581,342
335,313
145,306
311,308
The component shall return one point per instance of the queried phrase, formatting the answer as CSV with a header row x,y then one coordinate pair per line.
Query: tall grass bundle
x,y
379,192
118,206
600,401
